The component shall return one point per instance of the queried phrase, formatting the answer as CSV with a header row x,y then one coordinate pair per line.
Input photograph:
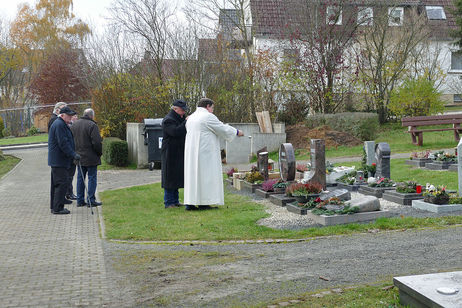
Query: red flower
x,y
318,199
374,164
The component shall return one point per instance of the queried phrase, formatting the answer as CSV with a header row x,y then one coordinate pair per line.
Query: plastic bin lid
x,y
153,122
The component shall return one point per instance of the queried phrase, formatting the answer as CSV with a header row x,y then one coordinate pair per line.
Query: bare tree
x,y
150,20
384,52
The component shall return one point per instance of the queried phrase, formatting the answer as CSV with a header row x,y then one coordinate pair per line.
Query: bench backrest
x,y
432,120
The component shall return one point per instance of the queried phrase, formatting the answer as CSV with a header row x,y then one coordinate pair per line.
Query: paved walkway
x,y
46,260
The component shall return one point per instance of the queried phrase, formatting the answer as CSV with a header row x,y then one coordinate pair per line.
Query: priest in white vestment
x,y
203,179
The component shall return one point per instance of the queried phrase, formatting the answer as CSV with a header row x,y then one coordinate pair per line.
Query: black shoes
x,y
61,212
71,197
82,204
96,203
200,207
67,201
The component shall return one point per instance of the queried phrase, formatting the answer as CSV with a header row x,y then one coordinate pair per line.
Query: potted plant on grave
x,y
332,206
407,187
274,185
382,182
254,177
436,195
304,192
302,168
420,155
444,156
348,178
230,172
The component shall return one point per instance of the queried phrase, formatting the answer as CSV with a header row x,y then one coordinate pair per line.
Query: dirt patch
x,y
300,135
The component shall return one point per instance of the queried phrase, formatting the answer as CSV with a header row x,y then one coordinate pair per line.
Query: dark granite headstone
x,y
287,162
264,149
262,164
382,156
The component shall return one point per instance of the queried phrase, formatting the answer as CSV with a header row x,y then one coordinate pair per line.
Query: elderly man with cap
x,y
61,153
172,153
55,113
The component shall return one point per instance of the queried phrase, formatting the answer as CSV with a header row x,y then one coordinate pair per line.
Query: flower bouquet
x,y
436,195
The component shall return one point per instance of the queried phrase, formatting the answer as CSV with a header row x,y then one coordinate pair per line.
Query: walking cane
x,y
85,186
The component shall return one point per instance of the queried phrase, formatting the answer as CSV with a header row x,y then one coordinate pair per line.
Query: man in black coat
x,y
172,153
89,146
61,153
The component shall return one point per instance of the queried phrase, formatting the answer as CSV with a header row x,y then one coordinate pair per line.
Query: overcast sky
x,y
90,11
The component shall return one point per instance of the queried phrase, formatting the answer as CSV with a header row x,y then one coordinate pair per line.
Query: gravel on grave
x,y
281,218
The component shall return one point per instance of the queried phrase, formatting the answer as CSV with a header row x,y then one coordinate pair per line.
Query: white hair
x,y
58,106
89,113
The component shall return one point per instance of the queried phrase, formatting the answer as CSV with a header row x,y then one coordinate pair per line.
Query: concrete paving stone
x,y
33,242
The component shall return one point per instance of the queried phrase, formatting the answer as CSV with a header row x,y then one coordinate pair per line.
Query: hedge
x,y
115,151
360,124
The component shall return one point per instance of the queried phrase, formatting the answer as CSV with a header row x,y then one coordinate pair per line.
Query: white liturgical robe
x,y
203,179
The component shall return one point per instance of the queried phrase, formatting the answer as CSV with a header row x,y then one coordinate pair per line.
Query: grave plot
x,y
418,162
401,198
373,191
439,165
430,290
441,161
436,208
334,211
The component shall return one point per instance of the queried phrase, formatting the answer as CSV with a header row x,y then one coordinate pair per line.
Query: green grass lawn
x,y
23,140
105,166
8,164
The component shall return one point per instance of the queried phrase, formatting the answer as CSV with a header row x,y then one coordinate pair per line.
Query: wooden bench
x,y
414,124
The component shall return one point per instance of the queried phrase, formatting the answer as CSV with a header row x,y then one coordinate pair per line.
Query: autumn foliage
x,y
59,78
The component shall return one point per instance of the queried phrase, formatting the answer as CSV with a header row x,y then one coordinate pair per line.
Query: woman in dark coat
x,y
172,153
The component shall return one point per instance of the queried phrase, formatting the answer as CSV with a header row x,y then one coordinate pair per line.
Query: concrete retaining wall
x,y
137,151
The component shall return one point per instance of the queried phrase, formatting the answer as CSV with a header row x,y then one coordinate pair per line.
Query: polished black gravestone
x,y
382,156
401,198
266,194
439,165
418,162
287,162
262,164
281,199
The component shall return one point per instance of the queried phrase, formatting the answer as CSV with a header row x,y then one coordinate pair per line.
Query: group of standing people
x,y
72,142
191,156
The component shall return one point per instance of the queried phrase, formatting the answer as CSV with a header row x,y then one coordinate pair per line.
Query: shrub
x,y
406,187
2,126
32,131
416,97
254,177
6,132
360,124
115,151
299,189
269,185
230,172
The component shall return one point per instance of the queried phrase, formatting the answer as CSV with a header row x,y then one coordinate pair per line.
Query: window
x,y
456,61
457,98
435,12
333,15
365,16
395,16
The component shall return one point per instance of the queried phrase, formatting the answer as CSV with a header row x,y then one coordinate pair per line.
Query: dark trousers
x,y
59,185
70,188
171,197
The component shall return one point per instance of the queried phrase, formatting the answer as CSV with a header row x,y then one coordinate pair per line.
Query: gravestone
x,y
317,174
369,147
287,162
262,164
382,156
264,149
459,166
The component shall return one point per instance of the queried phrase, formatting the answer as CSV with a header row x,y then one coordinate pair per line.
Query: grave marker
x,y
369,147
287,162
317,174
459,166
382,156
262,164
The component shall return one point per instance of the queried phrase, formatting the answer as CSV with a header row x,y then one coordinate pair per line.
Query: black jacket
x,y
172,152
87,141
52,119
61,149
